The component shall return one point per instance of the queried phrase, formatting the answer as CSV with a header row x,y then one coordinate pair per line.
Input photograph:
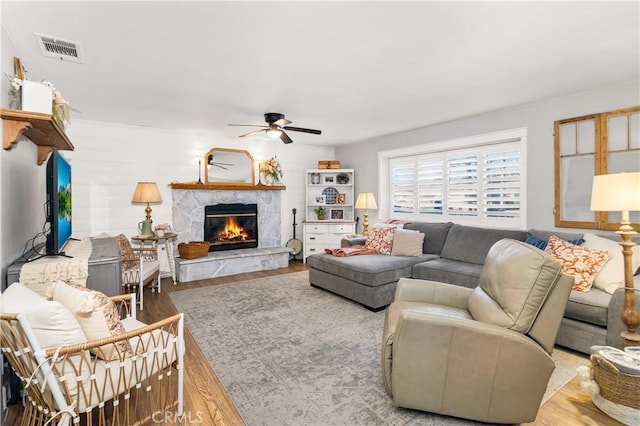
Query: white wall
x,y
537,117
110,159
22,183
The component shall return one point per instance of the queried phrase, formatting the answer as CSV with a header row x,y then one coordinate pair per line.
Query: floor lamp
x,y
621,192
366,201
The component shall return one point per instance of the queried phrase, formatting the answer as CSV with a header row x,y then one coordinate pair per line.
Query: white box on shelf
x,y
36,97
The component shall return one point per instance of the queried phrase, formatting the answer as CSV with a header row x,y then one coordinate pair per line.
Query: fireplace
x,y
231,226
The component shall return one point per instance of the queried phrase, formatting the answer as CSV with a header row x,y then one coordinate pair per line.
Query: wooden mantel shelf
x,y
226,187
40,128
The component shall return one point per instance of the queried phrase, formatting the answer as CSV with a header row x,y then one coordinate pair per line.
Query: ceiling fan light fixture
x,y
274,133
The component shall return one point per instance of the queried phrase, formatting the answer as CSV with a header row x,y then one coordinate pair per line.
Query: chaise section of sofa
x,y
371,279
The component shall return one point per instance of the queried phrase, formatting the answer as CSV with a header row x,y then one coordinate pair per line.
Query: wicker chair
x,y
70,384
140,267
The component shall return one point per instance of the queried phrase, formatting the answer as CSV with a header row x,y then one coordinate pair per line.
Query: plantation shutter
x,y
501,182
403,188
462,183
430,185
478,186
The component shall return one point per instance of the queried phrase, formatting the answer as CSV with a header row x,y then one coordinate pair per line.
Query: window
x,y
587,146
479,182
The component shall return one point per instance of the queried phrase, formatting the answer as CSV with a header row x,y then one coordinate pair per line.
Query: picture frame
x,y
341,198
336,214
319,200
329,179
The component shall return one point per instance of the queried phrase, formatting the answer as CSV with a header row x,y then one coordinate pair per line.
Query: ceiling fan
x,y
275,128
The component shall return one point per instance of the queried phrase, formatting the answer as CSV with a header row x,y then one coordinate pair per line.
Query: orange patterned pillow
x,y
581,262
380,238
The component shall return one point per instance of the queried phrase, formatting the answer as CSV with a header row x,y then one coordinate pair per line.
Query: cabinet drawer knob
x,y
312,238
312,249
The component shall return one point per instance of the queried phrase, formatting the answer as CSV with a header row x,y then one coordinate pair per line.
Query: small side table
x,y
167,240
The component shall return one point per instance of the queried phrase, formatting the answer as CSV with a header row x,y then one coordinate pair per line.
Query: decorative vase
x,y
269,179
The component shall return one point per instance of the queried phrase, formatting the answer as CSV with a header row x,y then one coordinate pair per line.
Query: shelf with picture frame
x,y
332,189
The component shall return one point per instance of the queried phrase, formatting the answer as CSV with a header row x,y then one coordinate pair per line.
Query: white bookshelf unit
x,y
332,189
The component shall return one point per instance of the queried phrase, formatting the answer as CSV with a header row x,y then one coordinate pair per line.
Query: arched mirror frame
x,y
237,151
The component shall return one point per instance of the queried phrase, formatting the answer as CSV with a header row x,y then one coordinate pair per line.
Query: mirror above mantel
x,y
225,166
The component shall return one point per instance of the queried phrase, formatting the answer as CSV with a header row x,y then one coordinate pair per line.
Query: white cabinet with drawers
x,y
318,236
333,191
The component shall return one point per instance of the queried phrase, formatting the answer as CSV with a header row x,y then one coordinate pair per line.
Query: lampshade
x,y
616,192
146,193
366,200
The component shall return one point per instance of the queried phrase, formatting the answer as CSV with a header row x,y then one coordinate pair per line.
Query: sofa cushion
x,y
435,235
407,243
542,243
96,314
52,323
611,276
544,235
371,270
581,262
591,306
471,244
380,238
515,282
448,271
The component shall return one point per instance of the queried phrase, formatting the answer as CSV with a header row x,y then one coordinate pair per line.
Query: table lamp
x,y
621,192
146,193
365,201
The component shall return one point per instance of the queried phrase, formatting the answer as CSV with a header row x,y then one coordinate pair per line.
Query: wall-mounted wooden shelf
x,y
226,187
40,128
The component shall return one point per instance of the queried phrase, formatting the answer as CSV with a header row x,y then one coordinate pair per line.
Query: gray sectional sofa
x,y
455,254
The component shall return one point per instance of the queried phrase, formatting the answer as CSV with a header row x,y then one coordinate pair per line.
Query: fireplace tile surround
x,y
188,222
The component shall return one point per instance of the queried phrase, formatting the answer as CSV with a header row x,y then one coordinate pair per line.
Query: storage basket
x,y
193,249
619,395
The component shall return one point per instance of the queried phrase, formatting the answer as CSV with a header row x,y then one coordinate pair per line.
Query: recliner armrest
x,y
415,290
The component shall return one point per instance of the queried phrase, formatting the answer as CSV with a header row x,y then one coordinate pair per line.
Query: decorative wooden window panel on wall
x,y
590,145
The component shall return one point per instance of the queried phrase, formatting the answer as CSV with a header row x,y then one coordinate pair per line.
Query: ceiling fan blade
x,y
255,132
285,138
282,122
247,125
300,129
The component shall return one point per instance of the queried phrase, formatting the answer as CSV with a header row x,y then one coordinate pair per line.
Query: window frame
x,y
488,141
601,166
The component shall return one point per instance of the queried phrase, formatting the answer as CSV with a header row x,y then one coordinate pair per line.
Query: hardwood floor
x,y
207,402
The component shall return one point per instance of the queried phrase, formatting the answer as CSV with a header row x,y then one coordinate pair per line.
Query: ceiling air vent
x,y
54,47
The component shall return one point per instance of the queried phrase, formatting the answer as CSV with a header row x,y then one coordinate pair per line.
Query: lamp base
x,y
630,339
365,223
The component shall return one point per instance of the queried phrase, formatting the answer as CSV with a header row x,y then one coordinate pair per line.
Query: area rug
x,y
291,354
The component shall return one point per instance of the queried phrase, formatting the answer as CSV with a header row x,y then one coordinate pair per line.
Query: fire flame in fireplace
x,y
233,231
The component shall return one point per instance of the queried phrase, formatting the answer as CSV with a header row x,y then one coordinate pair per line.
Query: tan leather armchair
x,y
483,353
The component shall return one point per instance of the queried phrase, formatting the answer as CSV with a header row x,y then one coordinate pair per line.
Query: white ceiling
x,y
355,70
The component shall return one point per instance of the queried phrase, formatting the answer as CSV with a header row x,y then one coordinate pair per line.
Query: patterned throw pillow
x,y
126,252
97,315
380,238
581,262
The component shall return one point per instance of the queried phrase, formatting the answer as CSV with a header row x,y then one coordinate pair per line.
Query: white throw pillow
x,y
611,276
407,243
52,323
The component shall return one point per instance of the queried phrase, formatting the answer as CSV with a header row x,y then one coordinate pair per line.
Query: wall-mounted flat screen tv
x,y
59,203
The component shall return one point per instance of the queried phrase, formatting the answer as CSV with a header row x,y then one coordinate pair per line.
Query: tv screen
x,y
59,202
